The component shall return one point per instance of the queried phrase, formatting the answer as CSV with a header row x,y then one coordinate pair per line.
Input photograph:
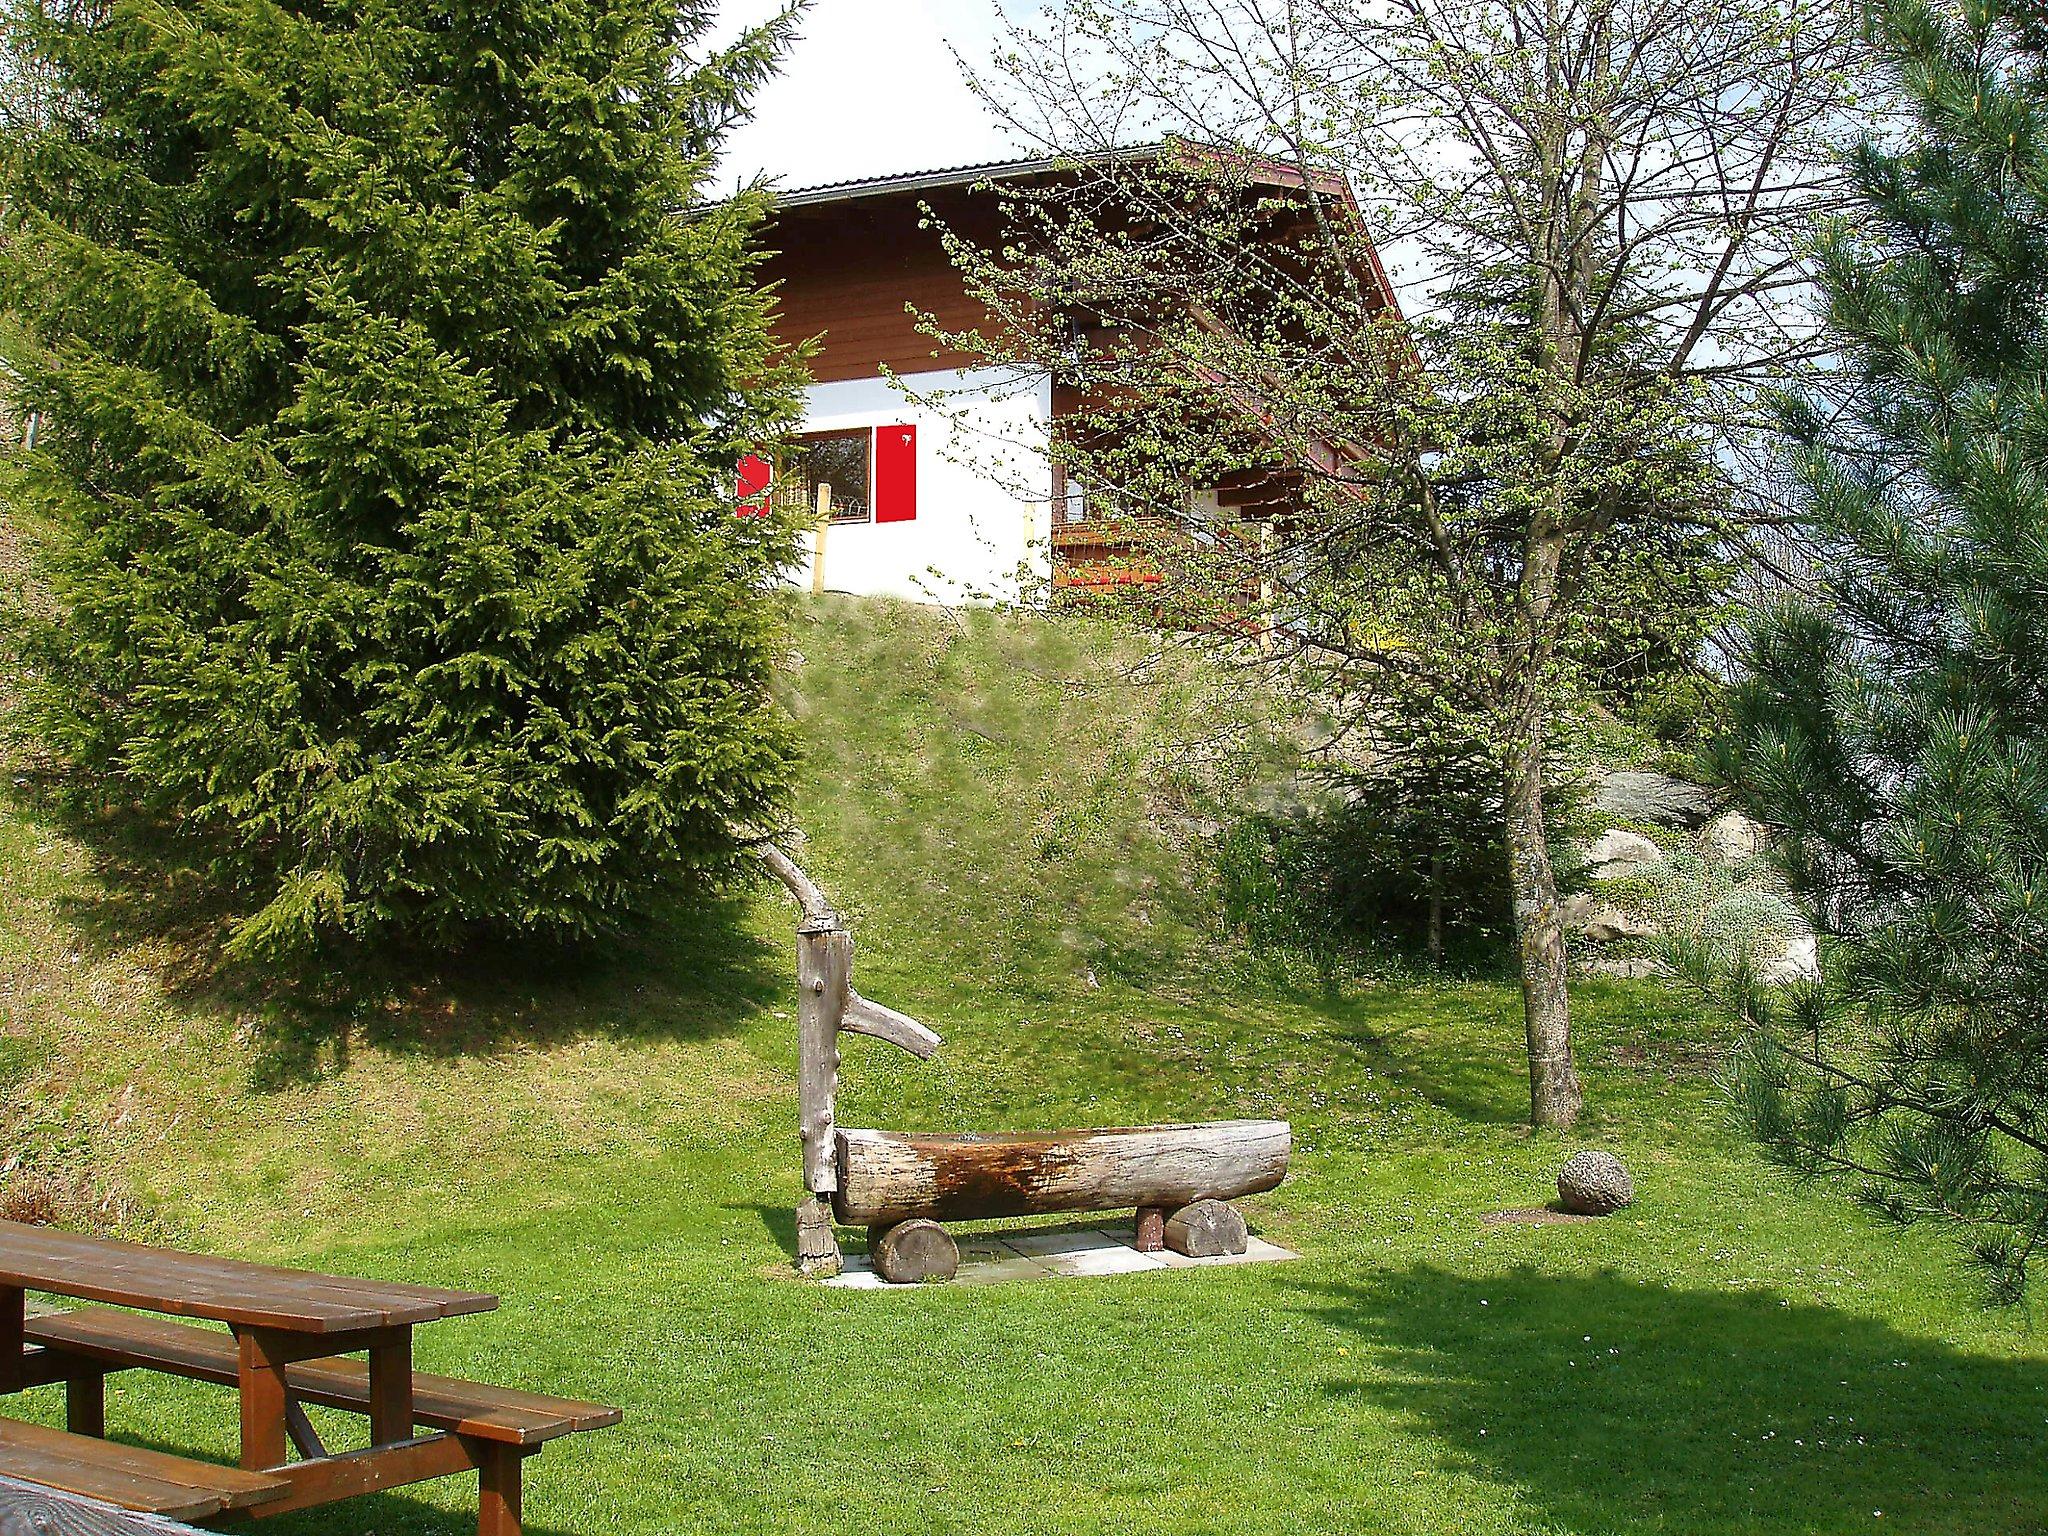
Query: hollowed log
x,y
889,1176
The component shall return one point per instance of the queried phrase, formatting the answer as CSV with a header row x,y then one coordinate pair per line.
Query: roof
x,y
949,176
1272,172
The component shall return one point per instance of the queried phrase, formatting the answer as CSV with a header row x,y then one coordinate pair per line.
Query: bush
x,y
1731,912
393,404
1320,882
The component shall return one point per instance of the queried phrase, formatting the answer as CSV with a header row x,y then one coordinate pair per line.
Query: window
x,y
1069,497
862,474
838,463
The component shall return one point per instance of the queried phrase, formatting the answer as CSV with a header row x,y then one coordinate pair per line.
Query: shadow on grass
x,y
691,971
1464,1073
387,1514
778,1220
393,1513
1610,1404
1420,1036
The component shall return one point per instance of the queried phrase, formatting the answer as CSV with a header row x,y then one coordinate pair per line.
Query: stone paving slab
x,y
993,1258
1065,1244
1256,1251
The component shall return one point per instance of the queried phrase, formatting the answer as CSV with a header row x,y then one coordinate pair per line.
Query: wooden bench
x,y
292,1332
128,1477
125,1340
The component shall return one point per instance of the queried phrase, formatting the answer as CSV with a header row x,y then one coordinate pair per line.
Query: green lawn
x,y
1000,805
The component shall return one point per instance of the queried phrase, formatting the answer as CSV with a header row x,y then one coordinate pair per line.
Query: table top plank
x,y
231,1291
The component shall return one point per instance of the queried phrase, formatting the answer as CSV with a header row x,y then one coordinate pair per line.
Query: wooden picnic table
x,y
278,1318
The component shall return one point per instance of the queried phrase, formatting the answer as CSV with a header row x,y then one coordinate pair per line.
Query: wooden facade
x,y
849,271
855,267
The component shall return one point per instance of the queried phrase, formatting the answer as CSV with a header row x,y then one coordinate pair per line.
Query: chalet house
x,y
929,467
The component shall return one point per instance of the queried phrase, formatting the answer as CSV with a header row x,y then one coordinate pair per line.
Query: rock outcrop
x,y
1732,837
1799,960
1657,799
1615,854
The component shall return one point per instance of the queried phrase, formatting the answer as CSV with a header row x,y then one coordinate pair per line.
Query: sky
x,y
870,90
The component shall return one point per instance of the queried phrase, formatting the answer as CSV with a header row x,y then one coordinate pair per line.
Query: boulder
x,y
1615,853
1732,837
1610,925
1629,969
1594,1184
1638,795
1799,960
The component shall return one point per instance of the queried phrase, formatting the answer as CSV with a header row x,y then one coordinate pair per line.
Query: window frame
x,y
796,471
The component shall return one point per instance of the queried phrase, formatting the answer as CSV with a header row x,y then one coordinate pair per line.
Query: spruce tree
x,y
1892,725
395,361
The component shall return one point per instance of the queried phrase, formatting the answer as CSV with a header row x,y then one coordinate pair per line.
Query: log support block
x,y
1151,1229
1206,1229
817,1245
914,1251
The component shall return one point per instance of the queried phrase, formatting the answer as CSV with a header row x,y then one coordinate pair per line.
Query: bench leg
x,y
498,1490
13,1347
85,1404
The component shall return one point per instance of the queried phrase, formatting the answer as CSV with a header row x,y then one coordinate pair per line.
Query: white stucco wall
x,y
984,485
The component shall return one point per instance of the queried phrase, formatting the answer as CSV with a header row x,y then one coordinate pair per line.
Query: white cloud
x,y
870,90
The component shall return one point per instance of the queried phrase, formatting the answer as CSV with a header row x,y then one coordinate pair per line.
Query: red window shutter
x,y
756,475
895,474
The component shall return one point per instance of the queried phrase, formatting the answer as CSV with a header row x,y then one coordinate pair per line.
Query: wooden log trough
x,y
901,1186
889,1176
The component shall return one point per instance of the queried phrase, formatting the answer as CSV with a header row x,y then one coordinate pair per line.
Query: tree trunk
x,y
1554,1094
1435,938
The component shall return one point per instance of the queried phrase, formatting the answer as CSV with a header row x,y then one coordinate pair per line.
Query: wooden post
x,y
818,541
827,1004
1151,1236
1268,540
817,1245
391,1390
824,962
13,1344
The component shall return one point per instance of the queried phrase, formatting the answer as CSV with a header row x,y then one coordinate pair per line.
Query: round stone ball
x,y
1594,1184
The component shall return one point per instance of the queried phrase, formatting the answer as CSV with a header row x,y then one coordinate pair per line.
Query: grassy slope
x,y
612,1151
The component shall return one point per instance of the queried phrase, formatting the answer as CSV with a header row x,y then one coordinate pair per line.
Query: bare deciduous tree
x,y
1597,209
